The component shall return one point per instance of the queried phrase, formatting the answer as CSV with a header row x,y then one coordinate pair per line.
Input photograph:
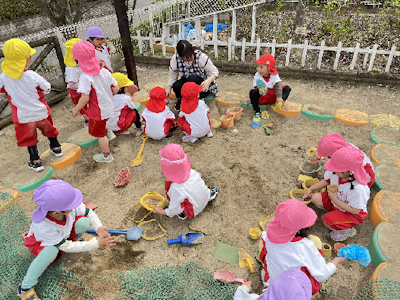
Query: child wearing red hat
x,y
286,245
193,119
331,142
186,191
268,87
96,86
159,119
348,205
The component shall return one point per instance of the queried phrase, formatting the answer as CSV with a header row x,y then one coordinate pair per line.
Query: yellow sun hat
x,y
69,62
122,79
16,52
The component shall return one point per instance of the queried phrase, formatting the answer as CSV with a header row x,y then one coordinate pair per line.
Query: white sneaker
x,y
210,134
100,158
110,135
139,131
193,139
126,132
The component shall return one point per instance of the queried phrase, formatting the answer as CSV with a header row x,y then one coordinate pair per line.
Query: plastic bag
x,y
355,252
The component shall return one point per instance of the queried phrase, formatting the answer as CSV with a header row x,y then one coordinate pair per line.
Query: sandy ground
x,y
253,172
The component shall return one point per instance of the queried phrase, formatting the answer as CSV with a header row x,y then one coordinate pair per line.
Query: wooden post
x,y
365,58
243,49
258,48
164,51
215,34
229,48
233,33
289,46
372,59
273,47
253,24
339,49
321,54
126,42
355,55
151,42
303,57
198,29
140,45
390,59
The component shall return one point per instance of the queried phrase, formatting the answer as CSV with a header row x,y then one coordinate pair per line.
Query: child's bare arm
x,y
319,185
342,205
278,91
81,104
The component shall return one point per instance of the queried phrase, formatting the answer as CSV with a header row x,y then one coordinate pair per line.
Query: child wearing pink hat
x,y
186,191
348,205
193,119
289,285
58,223
286,246
96,86
331,142
268,88
159,119
103,53
26,91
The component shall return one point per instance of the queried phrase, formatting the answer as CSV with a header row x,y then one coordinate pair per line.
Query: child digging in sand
x,y
186,191
26,90
268,87
58,223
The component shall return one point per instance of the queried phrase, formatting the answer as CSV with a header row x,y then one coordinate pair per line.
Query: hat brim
x,y
279,235
177,172
360,174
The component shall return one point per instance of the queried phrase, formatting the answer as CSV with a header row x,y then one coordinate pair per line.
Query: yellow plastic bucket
x,y
227,121
215,122
255,233
144,201
236,112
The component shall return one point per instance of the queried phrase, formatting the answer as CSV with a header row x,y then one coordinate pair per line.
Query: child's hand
x,y
248,284
75,112
168,90
159,210
106,242
332,195
308,193
279,100
103,232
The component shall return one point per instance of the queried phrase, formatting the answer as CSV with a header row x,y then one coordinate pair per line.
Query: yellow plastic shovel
x,y
245,260
138,160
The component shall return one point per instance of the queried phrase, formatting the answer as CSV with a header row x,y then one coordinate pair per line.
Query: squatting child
x,y
96,86
268,88
186,191
58,223
347,206
26,90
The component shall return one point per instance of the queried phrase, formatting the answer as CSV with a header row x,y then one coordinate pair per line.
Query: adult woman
x,y
195,66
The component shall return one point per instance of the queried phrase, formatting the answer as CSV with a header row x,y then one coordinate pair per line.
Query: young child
x,y
286,245
186,191
103,53
268,87
72,74
159,119
348,205
290,284
331,142
193,119
125,113
96,86
58,223
26,90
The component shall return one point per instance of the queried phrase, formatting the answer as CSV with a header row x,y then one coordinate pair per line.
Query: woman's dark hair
x,y
351,179
304,232
185,49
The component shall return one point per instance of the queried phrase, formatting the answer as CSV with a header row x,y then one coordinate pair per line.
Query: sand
x,y
253,172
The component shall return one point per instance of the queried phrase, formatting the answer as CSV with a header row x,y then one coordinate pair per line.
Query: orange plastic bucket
x,y
227,121
236,112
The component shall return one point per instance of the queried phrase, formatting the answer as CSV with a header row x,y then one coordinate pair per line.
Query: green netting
x,y
187,282
382,289
15,258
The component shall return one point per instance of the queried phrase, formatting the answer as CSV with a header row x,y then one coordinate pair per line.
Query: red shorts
x,y
269,98
75,99
126,119
169,125
184,125
27,135
340,220
97,128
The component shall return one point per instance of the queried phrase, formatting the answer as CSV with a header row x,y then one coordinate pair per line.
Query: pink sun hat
x,y
55,195
175,163
95,31
330,143
348,158
85,53
290,216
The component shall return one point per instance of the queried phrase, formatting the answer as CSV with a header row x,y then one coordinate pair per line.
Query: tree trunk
x,y
299,21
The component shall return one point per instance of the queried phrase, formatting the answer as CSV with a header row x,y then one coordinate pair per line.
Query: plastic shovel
x,y
138,160
226,276
132,234
188,238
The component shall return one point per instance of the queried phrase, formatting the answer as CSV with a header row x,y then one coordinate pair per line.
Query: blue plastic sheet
x,y
255,124
210,27
355,252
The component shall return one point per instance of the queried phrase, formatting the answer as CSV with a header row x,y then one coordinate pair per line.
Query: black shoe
x,y
57,151
213,193
177,108
169,136
36,165
182,216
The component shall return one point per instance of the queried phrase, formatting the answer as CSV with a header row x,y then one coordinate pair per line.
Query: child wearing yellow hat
x,y
72,74
26,90
125,113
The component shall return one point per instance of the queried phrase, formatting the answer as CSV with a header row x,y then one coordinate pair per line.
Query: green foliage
x,y
12,9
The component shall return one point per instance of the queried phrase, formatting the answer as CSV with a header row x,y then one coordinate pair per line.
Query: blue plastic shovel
x,y
188,238
132,234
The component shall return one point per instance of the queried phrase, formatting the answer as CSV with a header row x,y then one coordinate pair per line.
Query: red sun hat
x,y
290,216
268,60
156,103
329,144
190,91
351,159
